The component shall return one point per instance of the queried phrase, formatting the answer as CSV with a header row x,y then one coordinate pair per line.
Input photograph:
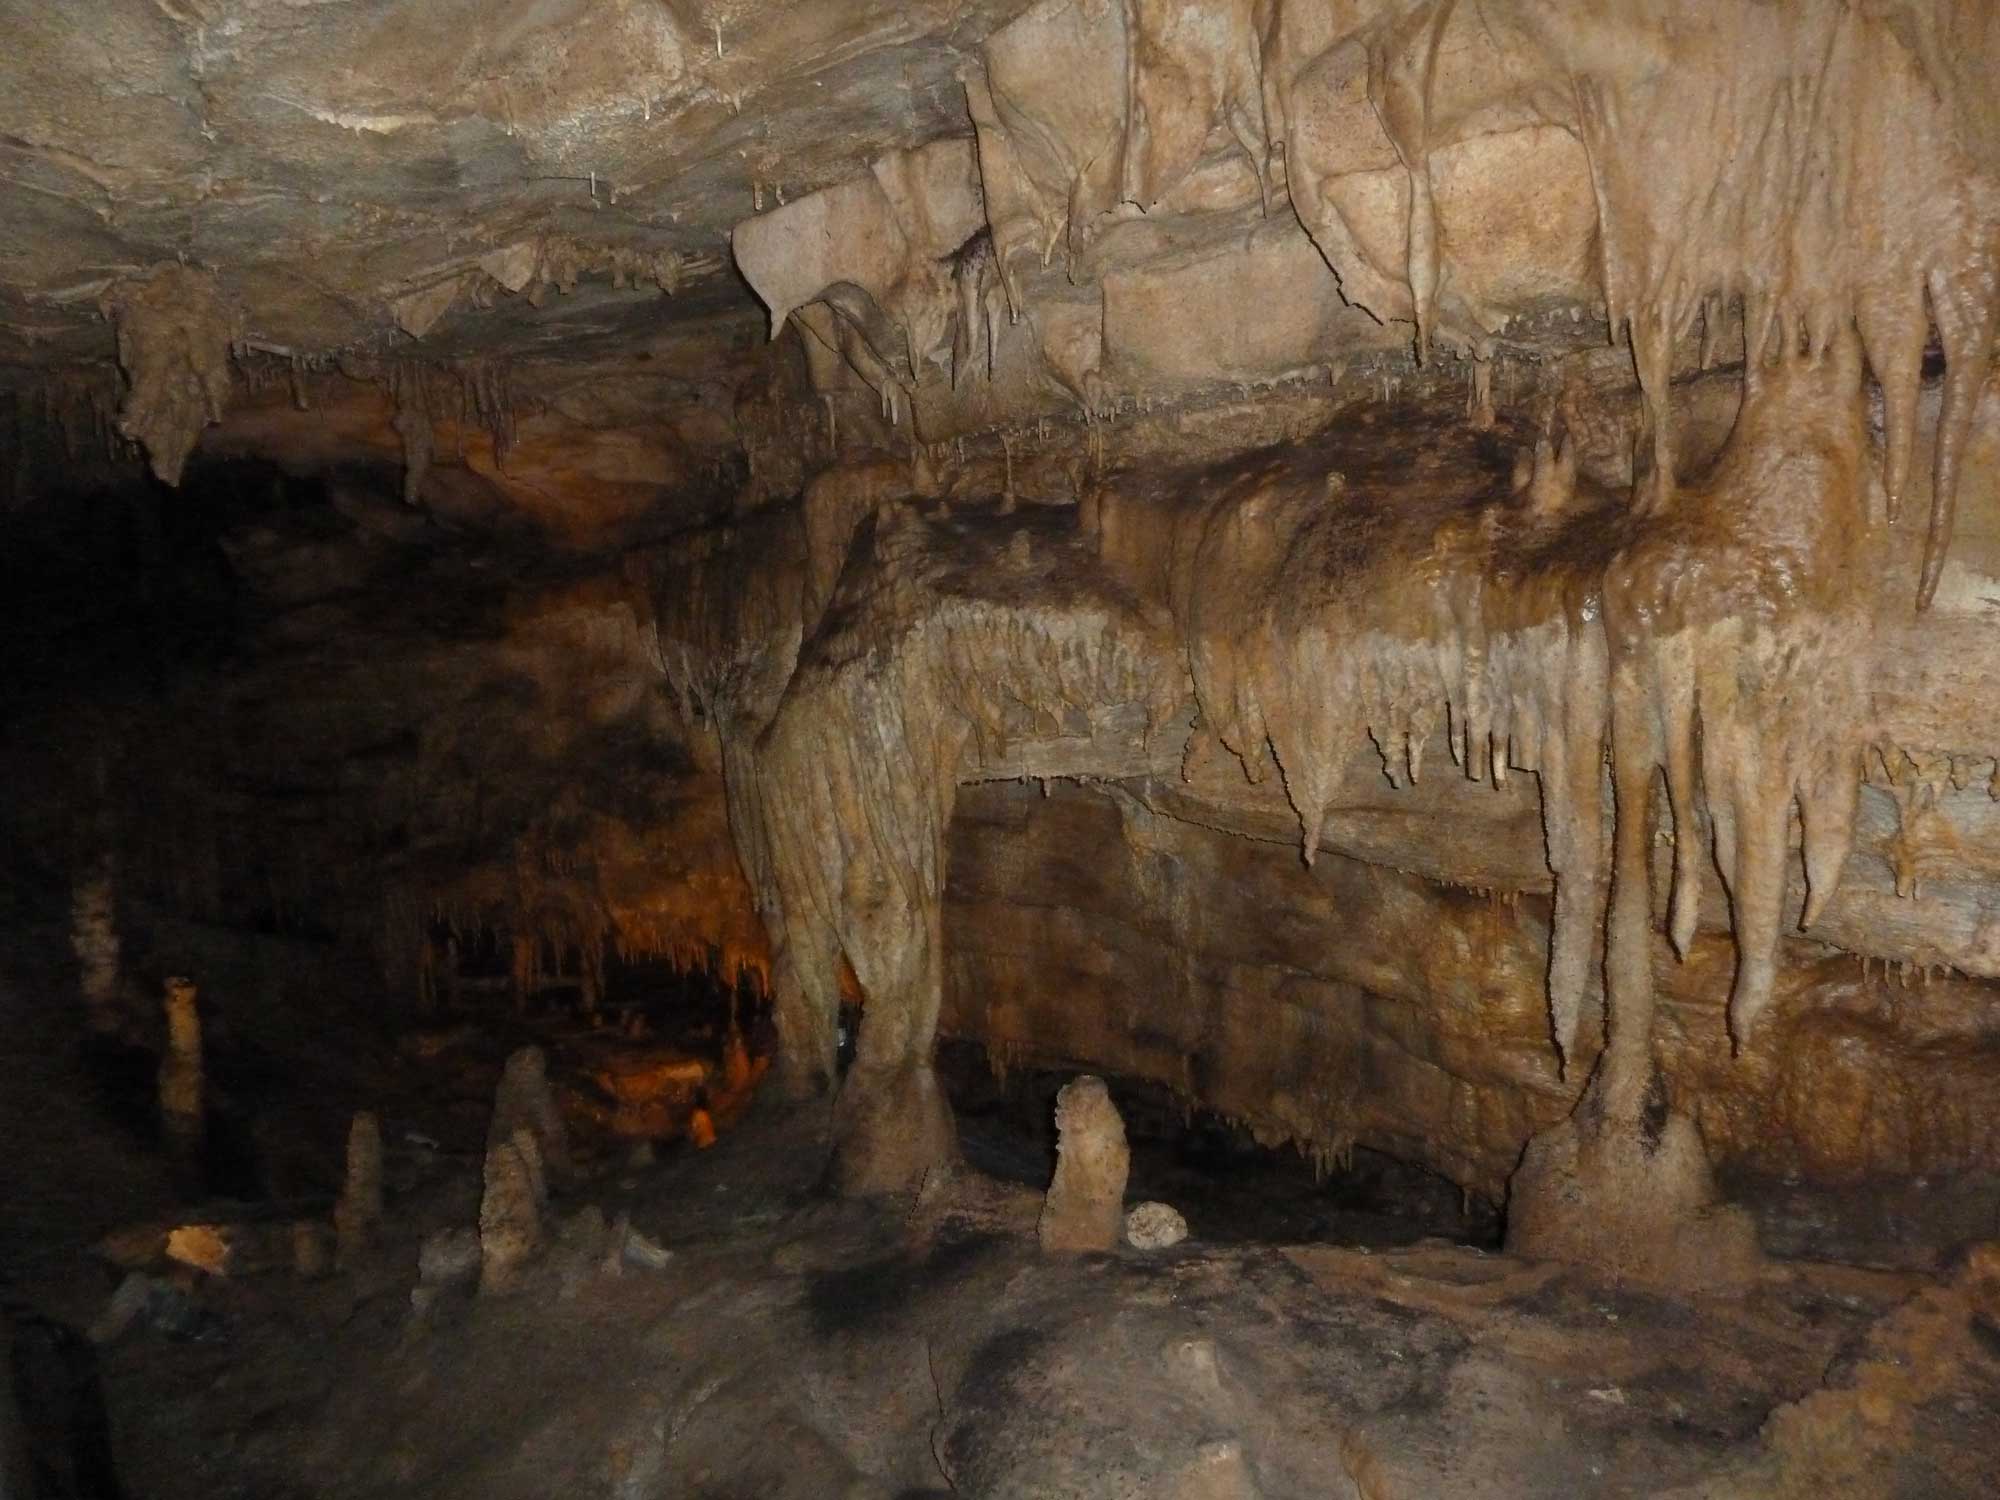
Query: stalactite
x,y
175,334
1826,185
411,394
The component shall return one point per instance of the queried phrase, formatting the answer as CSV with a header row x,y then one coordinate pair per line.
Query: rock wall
x,y
1354,1004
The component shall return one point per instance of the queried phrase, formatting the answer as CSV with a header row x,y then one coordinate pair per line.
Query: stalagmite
x,y
312,1255
1085,1206
510,1212
94,940
359,1209
182,1085
411,393
523,1101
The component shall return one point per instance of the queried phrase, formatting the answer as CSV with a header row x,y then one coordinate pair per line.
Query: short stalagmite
x,y
359,1209
94,940
523,1101
510,1211
1085,1206
183,1087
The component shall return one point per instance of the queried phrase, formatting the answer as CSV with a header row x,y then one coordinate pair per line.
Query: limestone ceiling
x,y
360,171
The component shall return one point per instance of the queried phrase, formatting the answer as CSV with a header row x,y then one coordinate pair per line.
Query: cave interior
x,y
1209,749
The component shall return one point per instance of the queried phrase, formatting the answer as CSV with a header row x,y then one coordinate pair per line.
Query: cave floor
x,y
794,1345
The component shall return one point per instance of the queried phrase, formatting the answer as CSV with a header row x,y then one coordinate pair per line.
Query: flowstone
x,y
1634,1203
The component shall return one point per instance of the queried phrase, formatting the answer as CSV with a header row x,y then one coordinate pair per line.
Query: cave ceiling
x,y
356,170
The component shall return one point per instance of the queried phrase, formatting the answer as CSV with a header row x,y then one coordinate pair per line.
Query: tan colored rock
x,y
174,334
1085,1207
1154,1226
895,1131
510,1213
1636,1205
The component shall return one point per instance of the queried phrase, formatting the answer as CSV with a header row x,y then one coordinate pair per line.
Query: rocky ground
x,y
793,1345
801,1347
713,1323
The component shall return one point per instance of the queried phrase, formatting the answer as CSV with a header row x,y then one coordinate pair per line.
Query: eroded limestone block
x,y
510,1213
523,1102
1085,1207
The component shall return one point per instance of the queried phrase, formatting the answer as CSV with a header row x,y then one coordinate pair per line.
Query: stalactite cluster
x,y
1803,173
